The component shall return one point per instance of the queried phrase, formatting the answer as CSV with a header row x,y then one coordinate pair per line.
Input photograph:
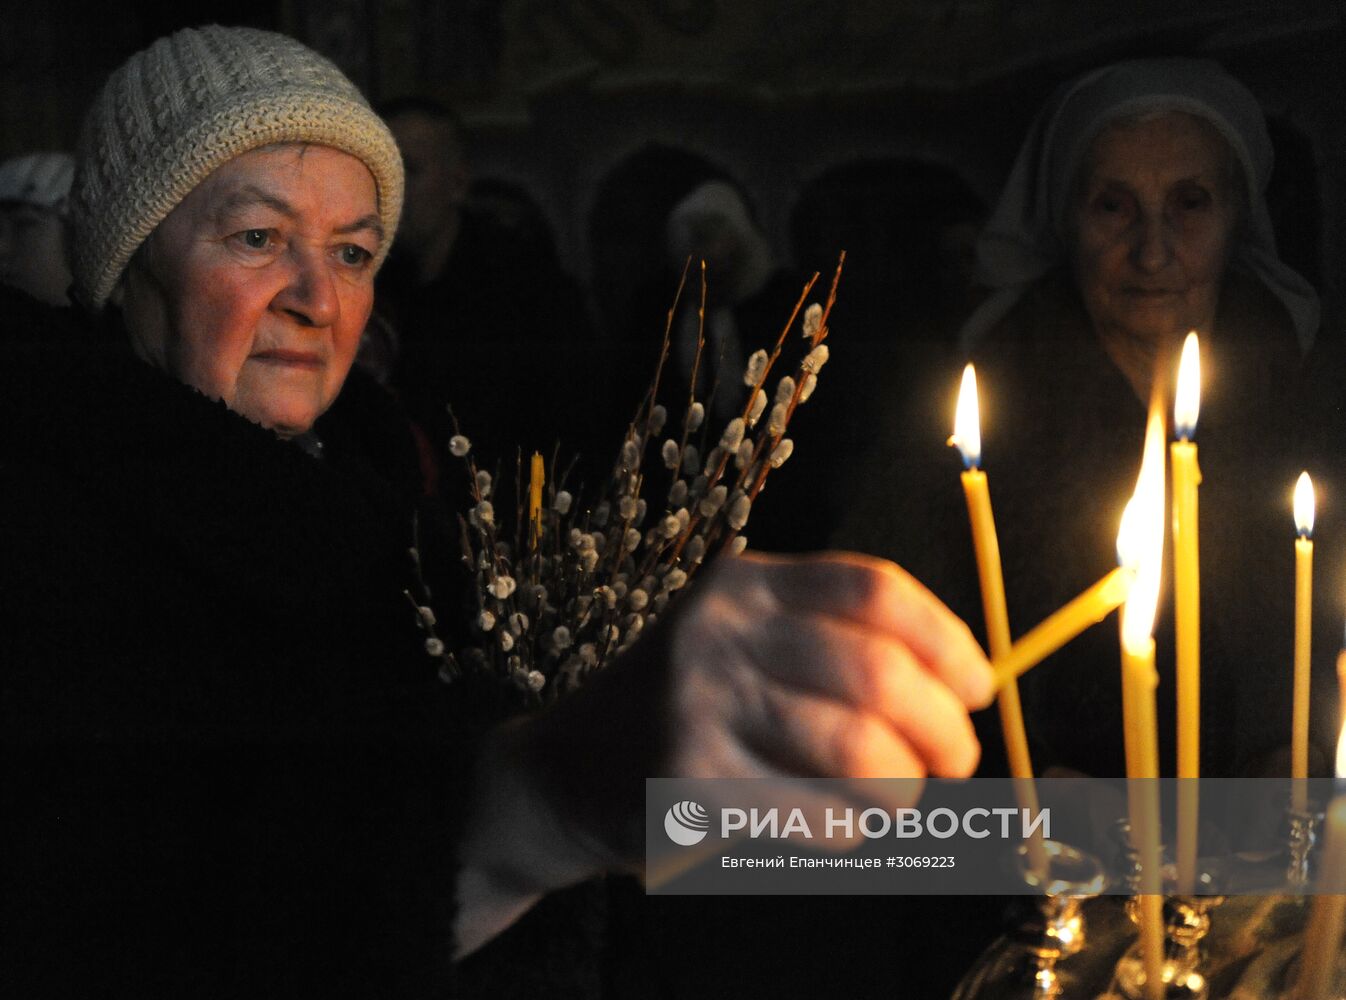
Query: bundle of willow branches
x,y
563,586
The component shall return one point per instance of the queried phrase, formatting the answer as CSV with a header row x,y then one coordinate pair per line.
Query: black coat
x,y
229,767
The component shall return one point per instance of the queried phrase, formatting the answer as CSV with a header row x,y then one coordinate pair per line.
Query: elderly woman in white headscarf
x,y
1134,213
1146,180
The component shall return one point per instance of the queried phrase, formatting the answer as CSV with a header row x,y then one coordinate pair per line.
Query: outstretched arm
x,y
827,666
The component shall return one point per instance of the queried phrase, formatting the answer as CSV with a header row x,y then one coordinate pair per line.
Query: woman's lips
x,y
293,359
1151,293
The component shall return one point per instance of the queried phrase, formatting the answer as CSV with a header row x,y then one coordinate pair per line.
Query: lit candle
x,y
1322,936
1141,541
967,438
1187,604
1341,684
1299,736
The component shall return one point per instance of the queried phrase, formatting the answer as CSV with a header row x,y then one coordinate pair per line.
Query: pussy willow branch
x,y
647,406
714,478
656,551
766,446
498,562
801,377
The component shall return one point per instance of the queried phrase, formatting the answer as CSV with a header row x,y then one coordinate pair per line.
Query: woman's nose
x,y
310,295
1152,248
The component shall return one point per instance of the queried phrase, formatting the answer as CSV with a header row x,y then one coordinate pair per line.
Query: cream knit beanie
x,y
187,104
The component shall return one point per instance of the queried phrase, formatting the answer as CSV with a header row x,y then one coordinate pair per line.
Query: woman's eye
x,y
1192,199
256,239
355,255
1110,203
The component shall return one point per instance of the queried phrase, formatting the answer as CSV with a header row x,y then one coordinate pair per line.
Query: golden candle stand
x,y
1077,944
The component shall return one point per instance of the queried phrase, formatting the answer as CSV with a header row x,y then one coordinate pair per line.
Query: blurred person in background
x,y
1134,213
34,193
488,320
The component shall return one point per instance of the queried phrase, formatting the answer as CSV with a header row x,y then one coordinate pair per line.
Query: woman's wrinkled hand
x,y
828,666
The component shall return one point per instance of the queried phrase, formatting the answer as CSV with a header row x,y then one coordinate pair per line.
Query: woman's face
x,y
1151,229
256,287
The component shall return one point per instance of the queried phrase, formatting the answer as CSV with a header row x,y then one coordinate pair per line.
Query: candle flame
x,y
1140,542
1304,505
1187,403
1127,542
1341,755
967,421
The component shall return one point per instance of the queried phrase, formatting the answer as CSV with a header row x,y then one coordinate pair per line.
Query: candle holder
x,y
1247,949
1187,922
1126,859
1184,927
1025,964
1302,828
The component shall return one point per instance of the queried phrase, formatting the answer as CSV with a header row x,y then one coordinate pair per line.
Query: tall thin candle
x,y
1299,734
1142,539
1341,684
1321,953
1187,604
967,438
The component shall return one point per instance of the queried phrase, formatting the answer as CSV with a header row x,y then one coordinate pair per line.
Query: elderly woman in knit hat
x,y
1134,213
230,767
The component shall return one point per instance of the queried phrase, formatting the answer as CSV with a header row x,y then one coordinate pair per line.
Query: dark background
x,y
579,103
847,123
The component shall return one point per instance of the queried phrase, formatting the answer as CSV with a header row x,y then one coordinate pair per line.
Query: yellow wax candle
x,y
1142,680
1152,944
1299,736
1089,608
1341,686
1187,605
536,478
997,617
1322,936
1139,683
1129,727
967,437
1141,543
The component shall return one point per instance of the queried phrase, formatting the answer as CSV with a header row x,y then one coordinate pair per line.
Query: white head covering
x,y
41,179
1022,241
720,202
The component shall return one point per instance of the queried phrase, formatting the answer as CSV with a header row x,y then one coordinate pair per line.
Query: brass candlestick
x,y
1026,965
1302,828
1187,922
